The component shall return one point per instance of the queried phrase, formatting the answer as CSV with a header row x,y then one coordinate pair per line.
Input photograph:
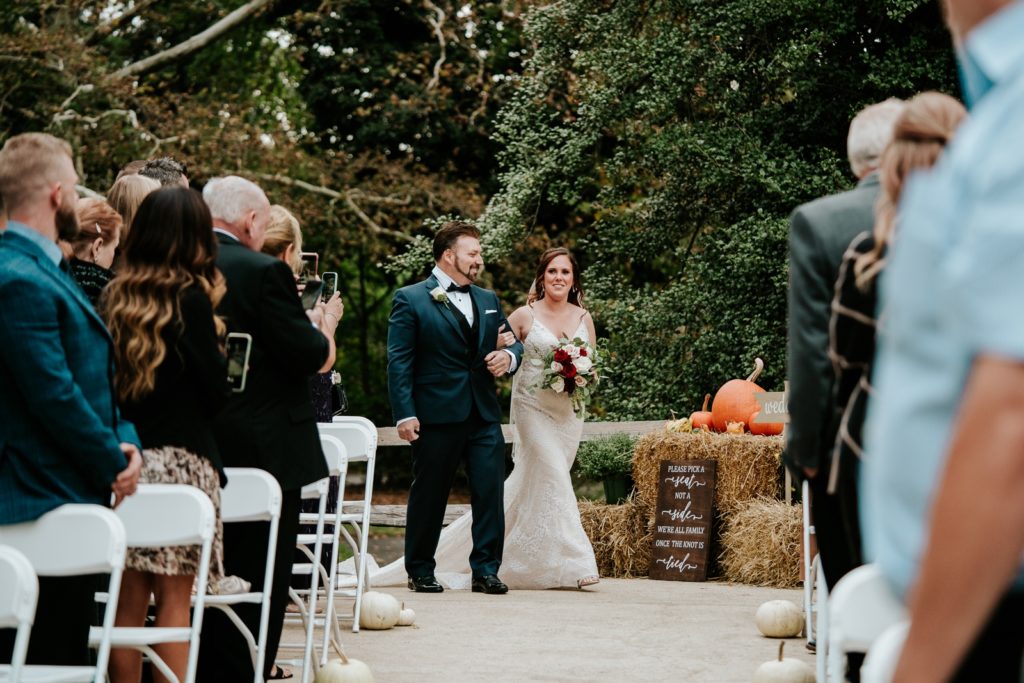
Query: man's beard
x,y
471,276
67,221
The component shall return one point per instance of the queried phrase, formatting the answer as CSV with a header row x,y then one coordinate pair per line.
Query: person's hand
x,y
334,309
316,315
127,481
409,430
810,472
506,337
498,362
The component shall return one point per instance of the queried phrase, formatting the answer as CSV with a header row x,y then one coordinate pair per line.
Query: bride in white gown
x,y
545,545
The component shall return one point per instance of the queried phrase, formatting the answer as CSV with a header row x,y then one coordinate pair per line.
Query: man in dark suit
x,y
441,368
819,233
271,425
62,439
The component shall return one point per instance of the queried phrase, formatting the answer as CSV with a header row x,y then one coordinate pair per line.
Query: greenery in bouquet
x,y
606,456
572,368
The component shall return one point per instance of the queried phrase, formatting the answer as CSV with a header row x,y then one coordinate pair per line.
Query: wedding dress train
x,y
545,544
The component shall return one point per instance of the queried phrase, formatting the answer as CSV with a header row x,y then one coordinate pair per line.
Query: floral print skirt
x,y
174,465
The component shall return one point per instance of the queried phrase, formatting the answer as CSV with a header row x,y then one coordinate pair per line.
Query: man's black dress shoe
x,y
425,584
489,584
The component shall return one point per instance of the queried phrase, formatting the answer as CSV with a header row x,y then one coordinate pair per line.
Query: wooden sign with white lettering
x,y
682,520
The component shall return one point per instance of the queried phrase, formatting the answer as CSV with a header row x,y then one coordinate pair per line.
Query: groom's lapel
x,y
477,295
447,311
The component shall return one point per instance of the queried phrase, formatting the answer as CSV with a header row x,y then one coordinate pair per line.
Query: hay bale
x,y
621,536
761,544
748,465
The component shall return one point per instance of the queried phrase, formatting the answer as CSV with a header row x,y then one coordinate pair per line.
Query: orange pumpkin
x,y
735,401
701,419
764,428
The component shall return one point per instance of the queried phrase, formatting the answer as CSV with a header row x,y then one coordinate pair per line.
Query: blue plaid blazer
x,y
60,428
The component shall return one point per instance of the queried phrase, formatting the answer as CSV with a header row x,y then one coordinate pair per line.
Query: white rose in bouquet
x,y
583,364
574,351
580,380
556,366
557,385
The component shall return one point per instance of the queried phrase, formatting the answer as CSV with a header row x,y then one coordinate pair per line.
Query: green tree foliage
x,y
668,140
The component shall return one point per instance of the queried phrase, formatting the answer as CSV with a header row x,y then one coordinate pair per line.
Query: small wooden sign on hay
x,y
683,518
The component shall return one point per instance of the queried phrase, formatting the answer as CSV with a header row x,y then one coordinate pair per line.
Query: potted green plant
x,y
609,459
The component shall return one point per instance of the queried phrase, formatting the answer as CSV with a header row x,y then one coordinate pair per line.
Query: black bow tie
x,y
458,288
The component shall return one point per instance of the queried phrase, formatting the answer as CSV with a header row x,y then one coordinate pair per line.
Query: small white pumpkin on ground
x,y
379,612
344,670
783,670
406,616
779,619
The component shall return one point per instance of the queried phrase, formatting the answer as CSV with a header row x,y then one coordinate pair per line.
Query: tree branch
x,y
196,42
348,196
436,22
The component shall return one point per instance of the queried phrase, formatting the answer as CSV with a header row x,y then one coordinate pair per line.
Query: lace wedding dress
x,y
545,545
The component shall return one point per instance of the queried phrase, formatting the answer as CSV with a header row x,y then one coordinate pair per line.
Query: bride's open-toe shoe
x,y
587,581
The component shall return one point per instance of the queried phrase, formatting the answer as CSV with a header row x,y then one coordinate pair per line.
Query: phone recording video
x,y
239,345
311,293
330,280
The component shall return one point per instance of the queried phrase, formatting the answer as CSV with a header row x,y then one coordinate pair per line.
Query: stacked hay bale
x,y
621,536
761,544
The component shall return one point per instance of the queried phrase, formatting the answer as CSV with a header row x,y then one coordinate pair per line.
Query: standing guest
x,y
171,381
819,233
167,171
56,361
93,248
125,195
271,425
943,483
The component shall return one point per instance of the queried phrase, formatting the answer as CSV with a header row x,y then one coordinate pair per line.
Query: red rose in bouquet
x,y
568,370
561,356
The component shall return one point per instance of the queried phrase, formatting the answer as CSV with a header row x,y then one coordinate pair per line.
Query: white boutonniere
x,y
439,295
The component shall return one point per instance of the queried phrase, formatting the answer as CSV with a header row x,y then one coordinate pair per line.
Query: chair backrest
x,y
167,515
252,495
357,434
70,540
19,590
335,454
861,606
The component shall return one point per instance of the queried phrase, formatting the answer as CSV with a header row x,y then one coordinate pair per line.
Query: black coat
x,y
819,233
271,425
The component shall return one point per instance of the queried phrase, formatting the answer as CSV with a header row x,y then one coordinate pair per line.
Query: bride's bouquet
x,y
570,368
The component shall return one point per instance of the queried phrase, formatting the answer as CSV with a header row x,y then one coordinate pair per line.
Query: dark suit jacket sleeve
x,y
201,349
30,343
286,333
809,369
401,356
517,348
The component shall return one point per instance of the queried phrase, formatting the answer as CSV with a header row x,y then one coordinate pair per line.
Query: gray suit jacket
x,y
819,233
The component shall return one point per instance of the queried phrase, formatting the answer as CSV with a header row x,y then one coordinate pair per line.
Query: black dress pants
x,y
223,653
435,458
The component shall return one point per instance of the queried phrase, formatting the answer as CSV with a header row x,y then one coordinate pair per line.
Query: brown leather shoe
x,y
425,584
491,585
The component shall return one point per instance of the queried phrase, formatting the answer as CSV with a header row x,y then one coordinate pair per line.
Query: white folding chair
x,y
359,436
73,540
861,607
252,495
161,515
884,654
19,590
306,600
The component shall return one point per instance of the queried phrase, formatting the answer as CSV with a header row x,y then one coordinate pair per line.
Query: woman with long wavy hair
x,y
171,380
920,135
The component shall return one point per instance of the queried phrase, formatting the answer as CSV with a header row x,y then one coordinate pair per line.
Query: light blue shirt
x,y
952,291
48,246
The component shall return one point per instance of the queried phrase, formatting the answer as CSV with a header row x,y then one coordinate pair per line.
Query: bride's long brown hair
x,y
537,288
169,249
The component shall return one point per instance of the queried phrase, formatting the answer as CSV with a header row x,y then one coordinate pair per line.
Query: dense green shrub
x,y
606,456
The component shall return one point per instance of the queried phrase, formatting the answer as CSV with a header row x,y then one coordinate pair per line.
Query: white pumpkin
x,y
779,619
380,611
784,670
344,671
406,616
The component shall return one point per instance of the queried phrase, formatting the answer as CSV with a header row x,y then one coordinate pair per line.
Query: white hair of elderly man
x,y
870,131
